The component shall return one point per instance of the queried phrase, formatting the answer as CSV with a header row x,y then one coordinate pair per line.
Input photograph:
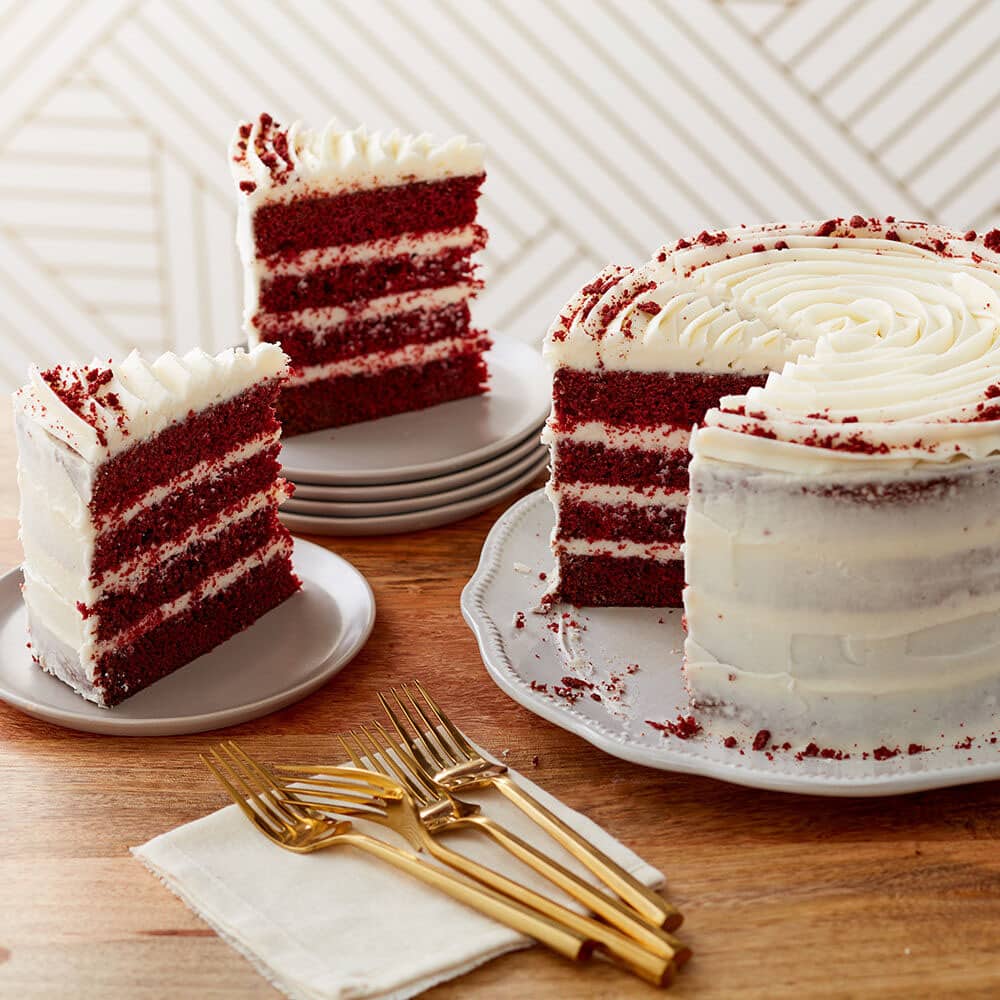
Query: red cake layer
x,y
591,462
363,280
204,435
620,522
368,336
197,505
168,580
641,398
348,399
607,581
359,216
178,640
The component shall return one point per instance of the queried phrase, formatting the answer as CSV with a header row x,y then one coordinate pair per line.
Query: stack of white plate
x,y
427,468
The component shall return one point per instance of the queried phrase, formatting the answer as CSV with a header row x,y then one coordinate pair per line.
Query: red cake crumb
x,y
965,744
915,748
541,688
992,240
519,620
857,222
827,227
761,740
781,245
705,238
729,742
684,727
884,753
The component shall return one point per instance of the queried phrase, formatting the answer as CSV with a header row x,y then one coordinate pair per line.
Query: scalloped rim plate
x,y
599,644
284,656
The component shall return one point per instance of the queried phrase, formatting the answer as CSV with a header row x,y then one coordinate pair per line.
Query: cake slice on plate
x,y
357,252
149,497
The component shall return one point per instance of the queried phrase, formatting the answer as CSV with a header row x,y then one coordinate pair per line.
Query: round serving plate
x,y
419,520
282,657
435,441
633,657
378,508
474,474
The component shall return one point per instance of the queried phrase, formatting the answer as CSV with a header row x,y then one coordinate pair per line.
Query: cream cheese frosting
x,y
273,163
882,339
104,408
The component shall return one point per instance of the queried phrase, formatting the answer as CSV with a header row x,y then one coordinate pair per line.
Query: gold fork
x,y
359,792
440,811
287,824
446,756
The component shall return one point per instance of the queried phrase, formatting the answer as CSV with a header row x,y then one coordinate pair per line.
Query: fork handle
x,y
645,901
656,969
612,909
493,904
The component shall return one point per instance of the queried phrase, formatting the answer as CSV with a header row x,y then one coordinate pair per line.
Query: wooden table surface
x,y
784,896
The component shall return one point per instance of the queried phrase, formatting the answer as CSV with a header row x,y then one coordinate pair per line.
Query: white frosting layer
x,y
140,399
855,609
409,244
382,361
319,321
901,341
656,438
660,551
278,162
611,496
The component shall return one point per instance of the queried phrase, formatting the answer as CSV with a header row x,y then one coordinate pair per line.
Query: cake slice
x,y
149,497
357,253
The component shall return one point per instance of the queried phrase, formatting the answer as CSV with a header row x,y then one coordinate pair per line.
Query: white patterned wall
x,y
611,127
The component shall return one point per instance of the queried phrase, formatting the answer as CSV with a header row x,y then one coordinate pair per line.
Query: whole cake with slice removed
x,y
149,497
357,252
839,516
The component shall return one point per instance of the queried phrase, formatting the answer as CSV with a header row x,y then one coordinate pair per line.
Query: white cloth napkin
x,y
341,924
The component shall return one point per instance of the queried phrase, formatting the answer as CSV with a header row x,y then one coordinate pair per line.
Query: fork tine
x,y
383,752
270,781
457,736
430,735
420,773
349,750
245,792
419,752
234,794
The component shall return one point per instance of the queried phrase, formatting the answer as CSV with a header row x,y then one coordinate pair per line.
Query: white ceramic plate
x,y
434,441
282,657
598,645
395,524
379,508
421,487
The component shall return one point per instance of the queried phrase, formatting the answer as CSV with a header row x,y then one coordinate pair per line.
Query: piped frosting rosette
x,y
882,338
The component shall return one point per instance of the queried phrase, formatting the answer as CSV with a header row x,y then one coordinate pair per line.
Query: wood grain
x,y
785,896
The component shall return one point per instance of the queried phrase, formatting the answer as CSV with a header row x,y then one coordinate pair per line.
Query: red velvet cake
x,y
149,497
619,443
357,253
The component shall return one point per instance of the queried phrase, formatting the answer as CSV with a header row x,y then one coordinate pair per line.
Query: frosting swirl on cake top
x,y
273,162
882,339
103,408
